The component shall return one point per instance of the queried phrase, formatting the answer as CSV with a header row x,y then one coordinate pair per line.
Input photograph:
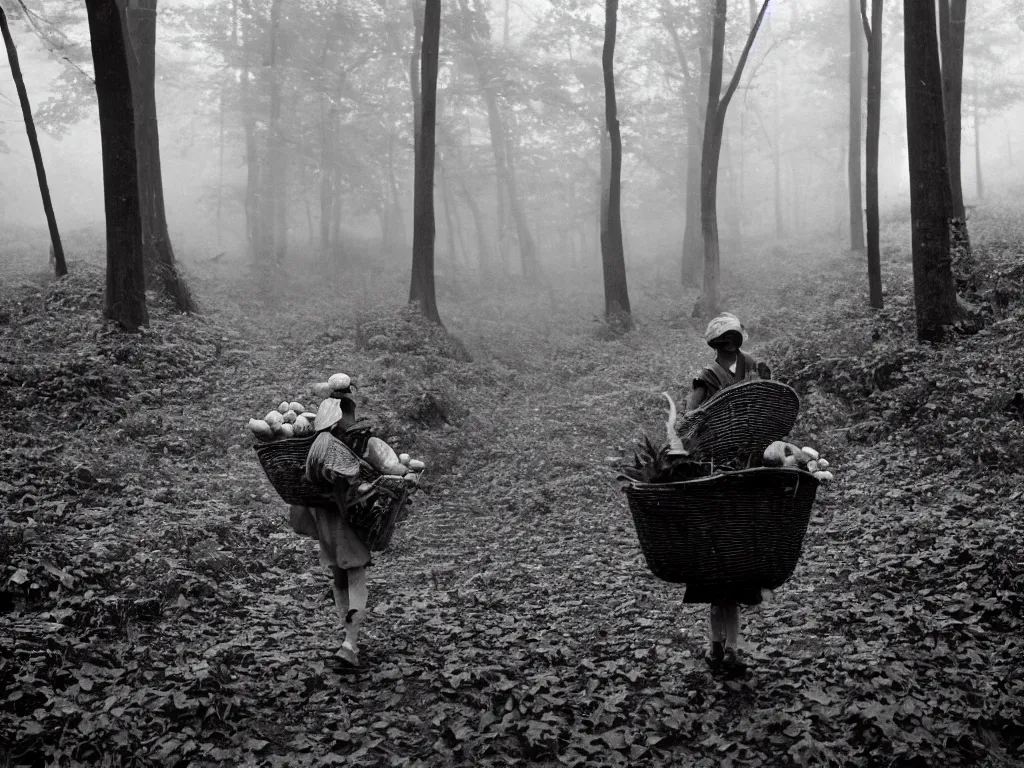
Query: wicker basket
x,y
736,528
375,521
739,420
284,462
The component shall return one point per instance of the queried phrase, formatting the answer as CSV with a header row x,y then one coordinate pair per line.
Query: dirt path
x,y
516,600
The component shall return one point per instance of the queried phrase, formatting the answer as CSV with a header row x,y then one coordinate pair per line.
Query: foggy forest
x,y
478,382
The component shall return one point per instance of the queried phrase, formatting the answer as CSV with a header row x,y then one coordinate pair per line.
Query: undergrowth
x,y
156,610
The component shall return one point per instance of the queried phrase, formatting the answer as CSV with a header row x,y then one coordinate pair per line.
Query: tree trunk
x,y
220,166
57,248
157,249
253,199
498,146
952,24
712,148
503,162
336,245
415,64
713,128
873,32
273,190
930,201
451,212
311,244
780,219
856,97
126,287
421,289
446,201
692,248
613,262
326,179
486,265
979,183
396,218
527,246
414,71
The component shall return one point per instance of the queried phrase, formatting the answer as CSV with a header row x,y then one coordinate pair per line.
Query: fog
x,y
793,96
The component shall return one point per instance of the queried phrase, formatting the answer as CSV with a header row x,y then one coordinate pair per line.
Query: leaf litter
x,y
157,610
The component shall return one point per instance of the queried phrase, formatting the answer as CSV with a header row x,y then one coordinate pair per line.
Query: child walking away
x,y
724,334
342,550
356,516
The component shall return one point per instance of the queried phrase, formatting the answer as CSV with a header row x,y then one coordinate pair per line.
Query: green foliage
x,y
156,609
653,464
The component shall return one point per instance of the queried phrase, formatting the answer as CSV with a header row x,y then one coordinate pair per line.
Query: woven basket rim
x,y
738,387
283,441
697,480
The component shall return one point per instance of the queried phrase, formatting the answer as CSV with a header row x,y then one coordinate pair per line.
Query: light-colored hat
x,y
721,325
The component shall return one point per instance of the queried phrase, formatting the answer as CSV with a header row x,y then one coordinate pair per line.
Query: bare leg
x,y
716,632
732,626
732,639
357,605
350,601
717,624
340,589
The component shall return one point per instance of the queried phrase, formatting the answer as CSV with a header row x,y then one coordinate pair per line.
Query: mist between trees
x,y
569,138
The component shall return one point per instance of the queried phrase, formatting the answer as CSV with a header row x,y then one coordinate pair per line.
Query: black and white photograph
x,y
486,383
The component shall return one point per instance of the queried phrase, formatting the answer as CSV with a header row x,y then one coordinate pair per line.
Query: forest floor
x,y
155,608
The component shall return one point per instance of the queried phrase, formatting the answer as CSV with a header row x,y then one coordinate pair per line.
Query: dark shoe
x,y
732,663
715,657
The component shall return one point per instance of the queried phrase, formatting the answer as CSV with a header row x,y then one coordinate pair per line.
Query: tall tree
x,y
421,289
479,31
978,181
856,98
952,28
414,70
126,285
255,205
714,125
697,86
930,201
33,140
158,253
616,296
873,33
275,189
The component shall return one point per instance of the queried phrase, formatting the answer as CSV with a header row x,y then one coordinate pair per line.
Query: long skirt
x,y
340,546
740,594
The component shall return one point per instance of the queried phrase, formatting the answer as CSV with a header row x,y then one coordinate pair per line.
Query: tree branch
x,y
29,17
674,34
864,18
734,83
